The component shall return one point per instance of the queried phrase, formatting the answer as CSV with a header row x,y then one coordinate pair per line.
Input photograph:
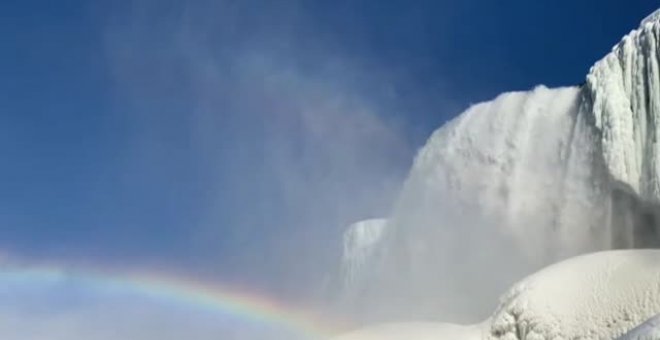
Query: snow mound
x,y
415,331
596,296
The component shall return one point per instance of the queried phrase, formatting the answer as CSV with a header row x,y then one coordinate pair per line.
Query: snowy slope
x,y
523,181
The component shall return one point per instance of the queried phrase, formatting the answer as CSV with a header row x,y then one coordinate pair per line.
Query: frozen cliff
x,y
520,182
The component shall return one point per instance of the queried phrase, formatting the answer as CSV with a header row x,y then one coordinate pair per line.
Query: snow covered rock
x,y
595,296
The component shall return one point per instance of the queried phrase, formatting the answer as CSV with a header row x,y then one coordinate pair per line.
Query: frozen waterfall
x,y
519,182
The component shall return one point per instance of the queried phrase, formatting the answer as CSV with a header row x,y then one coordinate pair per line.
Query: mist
x,y
231,142
289,140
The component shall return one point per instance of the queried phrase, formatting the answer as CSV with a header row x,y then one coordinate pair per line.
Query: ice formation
x,y
520,182
624,98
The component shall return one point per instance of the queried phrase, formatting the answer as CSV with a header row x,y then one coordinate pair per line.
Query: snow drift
x,y
518,183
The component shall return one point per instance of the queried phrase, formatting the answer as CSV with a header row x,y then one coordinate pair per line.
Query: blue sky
x,y
235,139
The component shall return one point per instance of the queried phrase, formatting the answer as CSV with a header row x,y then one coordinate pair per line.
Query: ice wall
x,y
623,92
522,181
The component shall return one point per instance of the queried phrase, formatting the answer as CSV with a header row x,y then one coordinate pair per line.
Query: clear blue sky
x,y
235,139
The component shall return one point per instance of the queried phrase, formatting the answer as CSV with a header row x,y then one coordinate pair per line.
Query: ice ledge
x,y
652,18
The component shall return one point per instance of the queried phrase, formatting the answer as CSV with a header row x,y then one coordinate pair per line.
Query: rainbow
x,y
214,297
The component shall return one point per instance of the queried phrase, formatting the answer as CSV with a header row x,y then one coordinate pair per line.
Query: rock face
x,y
520,182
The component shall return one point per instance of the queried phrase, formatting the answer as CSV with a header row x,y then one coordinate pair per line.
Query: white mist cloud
x,y
291,138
